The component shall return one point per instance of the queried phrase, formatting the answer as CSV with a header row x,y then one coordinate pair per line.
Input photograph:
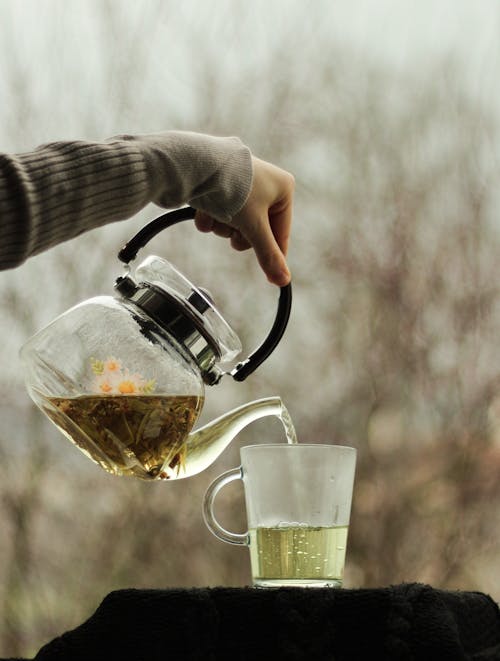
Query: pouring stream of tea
x,y
291,435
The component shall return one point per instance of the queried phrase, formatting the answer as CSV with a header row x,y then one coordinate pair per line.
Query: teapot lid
x,y
157,281
196,322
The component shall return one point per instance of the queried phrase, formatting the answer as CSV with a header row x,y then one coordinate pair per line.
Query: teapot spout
x,y
207,443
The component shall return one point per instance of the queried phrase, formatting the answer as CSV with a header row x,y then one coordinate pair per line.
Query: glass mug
x,y
298,504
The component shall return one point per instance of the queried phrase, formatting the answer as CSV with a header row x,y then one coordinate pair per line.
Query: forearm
x,y
62,189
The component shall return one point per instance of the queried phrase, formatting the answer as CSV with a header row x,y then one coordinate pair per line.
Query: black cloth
x,y
404,622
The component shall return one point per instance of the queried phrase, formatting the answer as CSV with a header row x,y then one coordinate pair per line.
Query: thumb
x,y
268,252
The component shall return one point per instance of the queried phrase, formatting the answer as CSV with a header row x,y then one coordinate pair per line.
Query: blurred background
x,y
387,113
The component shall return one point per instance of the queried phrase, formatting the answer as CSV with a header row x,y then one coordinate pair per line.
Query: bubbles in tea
x,y
298,555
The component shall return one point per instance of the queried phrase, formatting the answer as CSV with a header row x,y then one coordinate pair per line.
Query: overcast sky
x,y
403,32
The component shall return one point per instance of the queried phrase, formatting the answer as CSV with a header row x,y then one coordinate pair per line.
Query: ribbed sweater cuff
x,y
213,174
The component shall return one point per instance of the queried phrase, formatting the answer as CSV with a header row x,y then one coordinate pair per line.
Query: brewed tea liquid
x,y
298,555
140,435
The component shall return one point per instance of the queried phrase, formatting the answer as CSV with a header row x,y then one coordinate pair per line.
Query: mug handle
x,y
213,525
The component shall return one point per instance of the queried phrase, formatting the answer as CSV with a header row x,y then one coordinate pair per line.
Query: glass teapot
x,y
123,377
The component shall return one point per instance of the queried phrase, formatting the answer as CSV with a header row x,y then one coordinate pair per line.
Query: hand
x,y
263,223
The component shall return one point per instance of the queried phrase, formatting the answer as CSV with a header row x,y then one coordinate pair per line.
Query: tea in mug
x,y
298,555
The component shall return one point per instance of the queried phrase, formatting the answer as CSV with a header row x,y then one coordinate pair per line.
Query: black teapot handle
x,y
250,364
149,231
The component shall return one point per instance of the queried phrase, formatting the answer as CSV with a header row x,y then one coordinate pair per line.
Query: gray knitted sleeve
x,y
63,189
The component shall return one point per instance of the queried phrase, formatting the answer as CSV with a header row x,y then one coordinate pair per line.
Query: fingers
x,y
264,222
206,224
260,236
268,252
203,222
238,242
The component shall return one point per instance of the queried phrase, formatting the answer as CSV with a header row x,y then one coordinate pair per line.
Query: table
x,y
401,622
